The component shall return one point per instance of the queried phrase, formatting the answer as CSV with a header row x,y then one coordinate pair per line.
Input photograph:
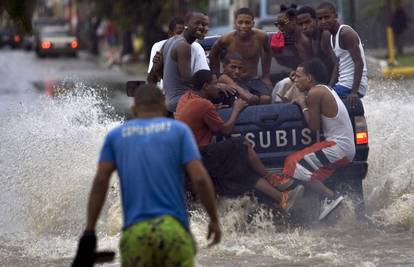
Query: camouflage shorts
x,y
161,241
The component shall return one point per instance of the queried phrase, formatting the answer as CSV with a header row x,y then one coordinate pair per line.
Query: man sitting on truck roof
x,y
232,77
322,109
233,164
251,44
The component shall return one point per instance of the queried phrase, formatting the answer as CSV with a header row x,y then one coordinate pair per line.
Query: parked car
x,y
56,40
10,36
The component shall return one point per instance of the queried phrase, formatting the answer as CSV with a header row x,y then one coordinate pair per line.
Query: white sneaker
x,y
329,205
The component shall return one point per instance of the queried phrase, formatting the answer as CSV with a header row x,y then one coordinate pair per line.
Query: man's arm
x,y
310,106
156,72
183,58
201,183
327,50
351,43
215,56
250,98
228,126
266,59
98,193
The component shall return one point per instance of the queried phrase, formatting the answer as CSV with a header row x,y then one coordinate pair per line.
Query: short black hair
x,y
243,11
290,11
329,6
200,78
307,10
316,69
148,95
191,14
173,23
232,56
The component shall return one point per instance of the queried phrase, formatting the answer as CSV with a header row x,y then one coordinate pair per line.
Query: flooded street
x,y
49,148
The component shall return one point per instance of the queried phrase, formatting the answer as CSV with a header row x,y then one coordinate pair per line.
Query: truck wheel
x,y
354,190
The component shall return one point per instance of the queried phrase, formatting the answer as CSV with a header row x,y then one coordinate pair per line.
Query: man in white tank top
x,y
352,71
322,109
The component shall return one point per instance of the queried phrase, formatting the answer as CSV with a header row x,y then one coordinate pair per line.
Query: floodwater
x,y
48,154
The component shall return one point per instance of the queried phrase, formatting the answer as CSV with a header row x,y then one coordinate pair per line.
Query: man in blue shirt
x,y
148,153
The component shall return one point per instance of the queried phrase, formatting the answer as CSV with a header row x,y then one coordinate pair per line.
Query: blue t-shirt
x,y
149,155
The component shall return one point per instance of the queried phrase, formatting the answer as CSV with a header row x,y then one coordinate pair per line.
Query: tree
x,y
151,15
20,11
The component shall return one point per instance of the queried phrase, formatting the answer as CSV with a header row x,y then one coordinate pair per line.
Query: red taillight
x,y
17,38
74,44
46,45
361,138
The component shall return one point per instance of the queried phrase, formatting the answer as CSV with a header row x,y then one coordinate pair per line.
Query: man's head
x,y
205,82
243,21
196,24
148,98
327,16
310,73
233,65
307,21
176,26
286,19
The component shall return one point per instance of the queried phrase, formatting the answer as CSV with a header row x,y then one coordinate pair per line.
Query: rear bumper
x,y
56,51
356,170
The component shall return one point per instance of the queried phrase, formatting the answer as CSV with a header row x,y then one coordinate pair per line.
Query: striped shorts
x,y
318,161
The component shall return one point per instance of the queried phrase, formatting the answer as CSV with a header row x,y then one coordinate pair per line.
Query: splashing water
x,y
48,154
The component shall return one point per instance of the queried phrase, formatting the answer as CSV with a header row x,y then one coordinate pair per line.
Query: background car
x,y
10,36
56,40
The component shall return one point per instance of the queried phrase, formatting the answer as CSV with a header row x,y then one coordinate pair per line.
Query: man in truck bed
x,y
322,108
233,164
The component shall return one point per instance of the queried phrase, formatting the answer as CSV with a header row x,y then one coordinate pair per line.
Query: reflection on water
x,y
48,153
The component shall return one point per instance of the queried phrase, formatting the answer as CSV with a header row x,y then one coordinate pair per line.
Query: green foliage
x,y
406,59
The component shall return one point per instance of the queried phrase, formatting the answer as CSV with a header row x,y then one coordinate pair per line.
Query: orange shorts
x,y
318,161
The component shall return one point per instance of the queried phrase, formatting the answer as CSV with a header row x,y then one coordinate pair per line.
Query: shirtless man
x,y
322,109
296,48
232,77
296,45
345,42
251,44
307,22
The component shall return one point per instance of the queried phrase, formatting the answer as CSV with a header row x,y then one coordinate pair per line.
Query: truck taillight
x,y
361,130
361,138
46,45
17,38
74,44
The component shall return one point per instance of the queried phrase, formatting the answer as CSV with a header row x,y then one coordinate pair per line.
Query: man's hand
x,y
157,57
239,104
215,231
292,75
300,99
352,99
267,82
85,255
227,90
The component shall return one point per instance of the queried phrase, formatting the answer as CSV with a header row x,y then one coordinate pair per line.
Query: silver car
x,y
56,40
